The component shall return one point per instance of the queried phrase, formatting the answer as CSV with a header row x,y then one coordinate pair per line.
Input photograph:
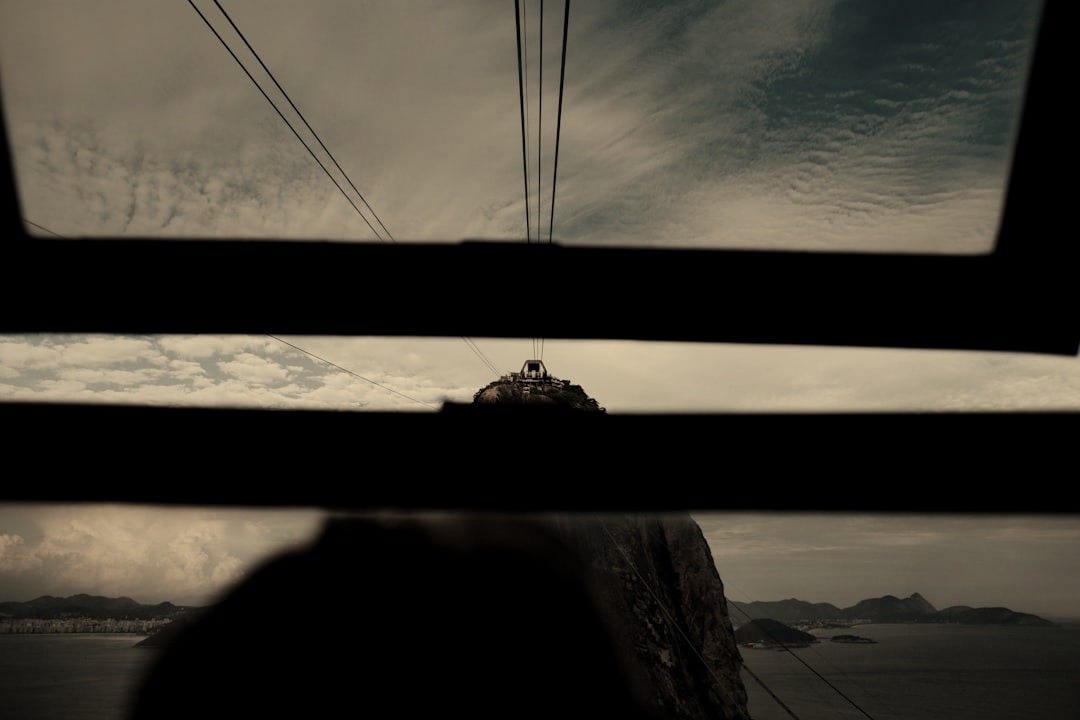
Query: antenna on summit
x,y
533,371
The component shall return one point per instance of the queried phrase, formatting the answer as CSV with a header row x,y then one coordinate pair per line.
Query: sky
x,y
810,124
1025,563
190,555
258,371
181,555
803,124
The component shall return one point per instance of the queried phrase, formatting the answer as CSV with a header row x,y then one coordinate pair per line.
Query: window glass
x,y
816,124
385,373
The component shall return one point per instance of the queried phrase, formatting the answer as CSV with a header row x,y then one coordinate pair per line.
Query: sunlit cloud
x,y
184,555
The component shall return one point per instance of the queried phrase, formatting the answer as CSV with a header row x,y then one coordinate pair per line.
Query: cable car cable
x,y
471,344
240,33
521,102
304,119
767,689
45,229
558,125
730,585
282,116
678,628
808,666
355,375
540,129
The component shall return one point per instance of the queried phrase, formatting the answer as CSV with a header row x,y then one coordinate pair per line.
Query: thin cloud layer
x,y
182,555
221,371
212,370
189,555
808,124
1024,563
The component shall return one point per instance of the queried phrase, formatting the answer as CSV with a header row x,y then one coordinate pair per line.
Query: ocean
x,y
915,672
926,672
69,676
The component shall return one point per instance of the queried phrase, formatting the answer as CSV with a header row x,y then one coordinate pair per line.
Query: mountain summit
x,y
653,577
891,609
48,607
534,385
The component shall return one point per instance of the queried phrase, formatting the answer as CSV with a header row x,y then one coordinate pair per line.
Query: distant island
x,y
852,639
86,614
888,609
771,633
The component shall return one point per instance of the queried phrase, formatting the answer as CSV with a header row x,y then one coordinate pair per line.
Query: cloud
x,y
231,371
109,350
622,376
1019,562
12,556
810,124
15,353
197,347
253,368
99,376
152,554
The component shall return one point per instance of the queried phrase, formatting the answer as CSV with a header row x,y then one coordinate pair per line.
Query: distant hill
x,y
887,609
788,611
771,632
48,607
989,616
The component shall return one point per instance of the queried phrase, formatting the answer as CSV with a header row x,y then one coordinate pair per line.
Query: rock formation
x,y
558,393
655,579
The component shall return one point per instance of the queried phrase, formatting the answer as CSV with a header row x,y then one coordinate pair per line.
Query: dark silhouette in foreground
x,y
446,616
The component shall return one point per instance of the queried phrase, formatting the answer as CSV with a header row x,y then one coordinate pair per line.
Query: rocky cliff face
x,y
556,393
655,581
655,578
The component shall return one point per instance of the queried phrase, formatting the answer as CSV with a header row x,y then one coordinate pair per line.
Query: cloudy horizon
x,y
1023,562
188,556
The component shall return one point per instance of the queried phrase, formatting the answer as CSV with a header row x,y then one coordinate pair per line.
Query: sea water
x,y
925,672
914,672
69,676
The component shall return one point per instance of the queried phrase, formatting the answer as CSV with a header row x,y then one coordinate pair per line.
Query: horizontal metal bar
x,y
1018,298
475,289
511,459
